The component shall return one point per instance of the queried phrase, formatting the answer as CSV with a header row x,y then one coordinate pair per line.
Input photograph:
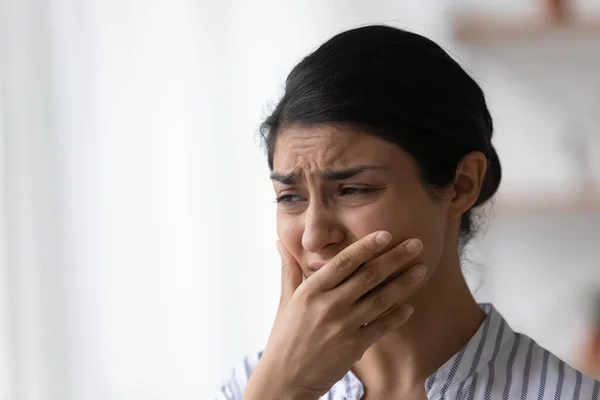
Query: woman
x,y
380,152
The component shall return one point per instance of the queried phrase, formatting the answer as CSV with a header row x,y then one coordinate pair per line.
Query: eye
x,y
289,198
356,191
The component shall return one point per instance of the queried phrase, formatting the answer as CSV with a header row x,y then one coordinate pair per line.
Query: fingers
x,y
370,275
291,275
348,260
389,296
383,325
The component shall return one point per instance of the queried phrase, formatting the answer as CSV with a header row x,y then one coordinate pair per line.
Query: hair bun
x,y
492,178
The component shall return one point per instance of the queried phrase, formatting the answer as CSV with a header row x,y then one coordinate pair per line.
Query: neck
x,y
446,317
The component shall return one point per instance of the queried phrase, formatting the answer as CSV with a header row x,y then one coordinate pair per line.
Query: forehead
x,y
318,147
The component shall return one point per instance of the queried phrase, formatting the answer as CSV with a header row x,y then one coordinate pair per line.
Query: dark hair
x,y
399,86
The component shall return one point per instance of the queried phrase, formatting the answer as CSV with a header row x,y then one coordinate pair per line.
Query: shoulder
x,y
499,363
232,387
551,377
524,369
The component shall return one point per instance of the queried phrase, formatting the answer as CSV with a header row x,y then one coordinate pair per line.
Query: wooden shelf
x,y
482,29
546,204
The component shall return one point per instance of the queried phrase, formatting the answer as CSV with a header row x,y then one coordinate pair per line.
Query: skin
x,y
590,352
336,186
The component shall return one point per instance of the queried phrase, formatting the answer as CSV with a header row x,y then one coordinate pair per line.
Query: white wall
x,y
5,355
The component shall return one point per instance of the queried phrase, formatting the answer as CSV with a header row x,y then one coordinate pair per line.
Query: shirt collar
x,y
474,356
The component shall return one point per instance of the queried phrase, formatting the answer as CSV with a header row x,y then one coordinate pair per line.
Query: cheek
x,y
430,227
423,219
289,231
393,213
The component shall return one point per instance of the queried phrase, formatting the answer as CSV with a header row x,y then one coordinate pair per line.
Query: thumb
x,y
291,275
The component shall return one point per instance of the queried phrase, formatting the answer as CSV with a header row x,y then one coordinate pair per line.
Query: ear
x,y
467,183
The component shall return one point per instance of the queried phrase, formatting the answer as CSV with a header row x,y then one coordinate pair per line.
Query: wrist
x,y
262,386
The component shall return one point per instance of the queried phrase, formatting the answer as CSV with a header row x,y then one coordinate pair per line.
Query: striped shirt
x,y
496,364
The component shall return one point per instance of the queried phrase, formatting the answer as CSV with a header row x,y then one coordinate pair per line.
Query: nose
x,y
321,229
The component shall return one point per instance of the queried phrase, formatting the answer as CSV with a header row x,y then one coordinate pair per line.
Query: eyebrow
x,y
327,175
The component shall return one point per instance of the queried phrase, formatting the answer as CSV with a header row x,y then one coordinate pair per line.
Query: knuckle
x,y
369,246
379,301
369,274
343,261
398,256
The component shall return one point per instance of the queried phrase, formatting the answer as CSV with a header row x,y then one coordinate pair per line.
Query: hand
x,y
326,323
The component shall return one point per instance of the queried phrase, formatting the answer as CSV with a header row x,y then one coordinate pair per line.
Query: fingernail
x,y
418,272
383,238
414,246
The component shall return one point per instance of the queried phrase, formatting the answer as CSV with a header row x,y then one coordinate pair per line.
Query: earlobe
x,y
467,183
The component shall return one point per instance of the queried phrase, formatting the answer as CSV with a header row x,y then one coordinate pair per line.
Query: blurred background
x,y
137,255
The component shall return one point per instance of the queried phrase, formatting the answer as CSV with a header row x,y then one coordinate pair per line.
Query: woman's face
x,y
335,185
